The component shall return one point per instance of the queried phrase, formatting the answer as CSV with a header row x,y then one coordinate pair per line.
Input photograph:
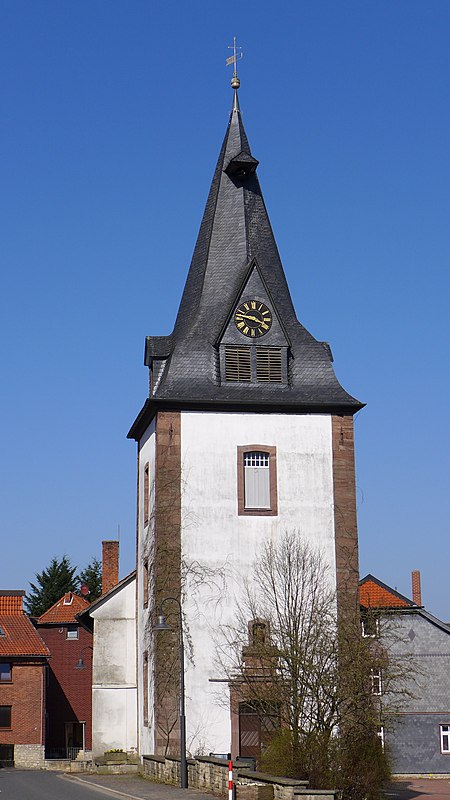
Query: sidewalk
x,y
419,789
134,787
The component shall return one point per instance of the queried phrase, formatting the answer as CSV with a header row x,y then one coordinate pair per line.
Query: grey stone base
x,y
29,756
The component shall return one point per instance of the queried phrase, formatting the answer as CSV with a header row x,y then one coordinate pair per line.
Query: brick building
x,y
23,659
69,684
417,732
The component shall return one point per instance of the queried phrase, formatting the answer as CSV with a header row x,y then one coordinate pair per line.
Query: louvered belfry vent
x,y
238,364
268,364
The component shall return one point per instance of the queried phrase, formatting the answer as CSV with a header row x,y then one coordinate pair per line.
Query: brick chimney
x,y
416,591
11,603
110,565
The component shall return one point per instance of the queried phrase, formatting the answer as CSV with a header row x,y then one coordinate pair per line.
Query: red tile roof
x,y
373,594
65,609
19,637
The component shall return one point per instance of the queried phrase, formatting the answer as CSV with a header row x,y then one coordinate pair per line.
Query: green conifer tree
x,y
91,575
51,584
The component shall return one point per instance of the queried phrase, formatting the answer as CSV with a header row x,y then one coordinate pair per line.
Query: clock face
x,y
253,318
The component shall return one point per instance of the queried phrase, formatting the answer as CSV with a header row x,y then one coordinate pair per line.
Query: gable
x,y
375,594
254,293
64,610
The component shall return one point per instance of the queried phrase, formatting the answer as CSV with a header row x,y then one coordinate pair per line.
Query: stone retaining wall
x,y
211,775
29,756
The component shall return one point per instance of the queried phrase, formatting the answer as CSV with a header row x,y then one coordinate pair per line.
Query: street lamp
x,y
81,664
161,625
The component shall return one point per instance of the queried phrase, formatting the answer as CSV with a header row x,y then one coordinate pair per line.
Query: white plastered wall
x,y
114,694
214,535
147,453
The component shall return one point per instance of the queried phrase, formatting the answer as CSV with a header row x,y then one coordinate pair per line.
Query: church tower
x,y
246,435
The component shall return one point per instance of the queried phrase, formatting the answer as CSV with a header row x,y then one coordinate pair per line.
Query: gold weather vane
x,y
235,82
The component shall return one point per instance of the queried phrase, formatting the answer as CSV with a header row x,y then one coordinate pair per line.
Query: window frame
x,y
7,727
145,687
376,680
6,680
271,451
146,494
145,584
443,733
254,353
72,629
370,625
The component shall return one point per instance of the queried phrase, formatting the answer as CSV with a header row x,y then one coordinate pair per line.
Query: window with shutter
x,y
268,364
238,364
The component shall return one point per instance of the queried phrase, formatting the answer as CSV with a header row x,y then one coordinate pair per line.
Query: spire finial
x,y
235,82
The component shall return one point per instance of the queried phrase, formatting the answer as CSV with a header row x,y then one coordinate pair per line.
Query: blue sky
x,y
113,116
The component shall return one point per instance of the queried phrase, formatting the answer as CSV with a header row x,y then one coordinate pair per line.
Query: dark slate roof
x,y
235,234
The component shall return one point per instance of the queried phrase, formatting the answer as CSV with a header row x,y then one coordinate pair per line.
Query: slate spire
x,y
236,254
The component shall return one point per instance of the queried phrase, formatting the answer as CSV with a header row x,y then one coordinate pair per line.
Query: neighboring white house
x,y
114,694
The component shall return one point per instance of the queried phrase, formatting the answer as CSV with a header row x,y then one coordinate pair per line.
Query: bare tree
x,y
309,673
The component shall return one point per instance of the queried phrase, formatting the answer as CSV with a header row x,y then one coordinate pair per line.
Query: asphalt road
x,y
30,785
41,785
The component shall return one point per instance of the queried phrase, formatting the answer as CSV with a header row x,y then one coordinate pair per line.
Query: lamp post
x,y
161,625
81,664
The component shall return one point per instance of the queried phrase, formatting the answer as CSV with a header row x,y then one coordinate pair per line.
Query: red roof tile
x,y
19,637
11,602
372,595
65,609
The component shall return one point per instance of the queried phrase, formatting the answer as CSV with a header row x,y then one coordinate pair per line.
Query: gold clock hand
x,y
254,319
248,316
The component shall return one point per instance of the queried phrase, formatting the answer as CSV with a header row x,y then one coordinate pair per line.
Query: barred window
x,y
256,459
238,364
